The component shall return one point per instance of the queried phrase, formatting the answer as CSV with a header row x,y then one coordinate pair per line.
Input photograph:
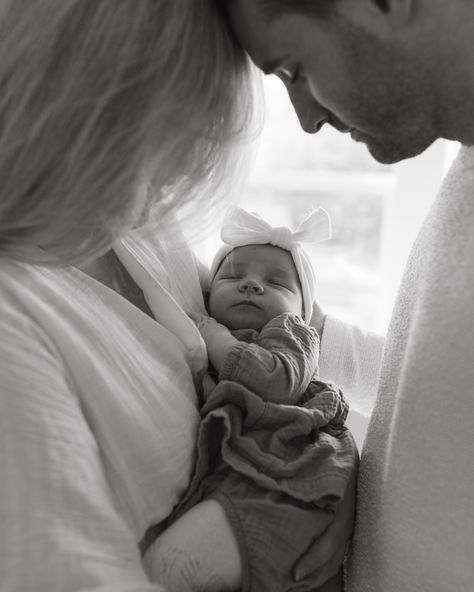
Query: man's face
x,y
339,71
255,284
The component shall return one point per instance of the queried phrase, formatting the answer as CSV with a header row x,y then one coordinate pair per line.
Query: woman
x,y
104,107
98,100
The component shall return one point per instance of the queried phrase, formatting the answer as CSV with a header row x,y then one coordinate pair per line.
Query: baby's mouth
x,y
247,303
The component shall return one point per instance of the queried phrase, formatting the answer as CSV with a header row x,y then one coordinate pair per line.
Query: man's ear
x,y
384,5
396,10
399,9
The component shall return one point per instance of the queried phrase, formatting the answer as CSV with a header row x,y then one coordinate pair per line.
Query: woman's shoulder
x,y
24,286
18,282
25,291
29,357
41,304
20,277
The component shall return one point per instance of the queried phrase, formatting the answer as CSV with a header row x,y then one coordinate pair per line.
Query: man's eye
x,y
296,76
290,76
284,74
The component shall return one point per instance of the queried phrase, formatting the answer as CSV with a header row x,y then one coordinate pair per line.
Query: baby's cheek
x,y
212,303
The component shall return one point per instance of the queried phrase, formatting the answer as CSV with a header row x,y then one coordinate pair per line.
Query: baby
x,y
274,457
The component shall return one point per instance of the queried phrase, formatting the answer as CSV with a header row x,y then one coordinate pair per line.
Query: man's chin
x,y
387,153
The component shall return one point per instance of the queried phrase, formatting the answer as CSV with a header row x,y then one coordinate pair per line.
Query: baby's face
x,y
253,285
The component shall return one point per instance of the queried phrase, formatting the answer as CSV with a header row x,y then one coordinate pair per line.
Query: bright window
x,y
376,210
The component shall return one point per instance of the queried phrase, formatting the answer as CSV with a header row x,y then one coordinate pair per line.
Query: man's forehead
x,y
258,37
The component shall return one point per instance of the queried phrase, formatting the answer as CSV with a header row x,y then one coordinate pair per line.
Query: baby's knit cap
x,y
243,228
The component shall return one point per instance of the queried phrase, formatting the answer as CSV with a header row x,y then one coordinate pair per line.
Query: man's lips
x,y
345,129
357,136
337,124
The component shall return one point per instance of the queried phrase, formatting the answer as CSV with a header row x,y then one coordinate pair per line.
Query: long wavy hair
x,y
99,97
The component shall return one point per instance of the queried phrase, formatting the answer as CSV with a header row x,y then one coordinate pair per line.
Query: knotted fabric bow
x,y
244,228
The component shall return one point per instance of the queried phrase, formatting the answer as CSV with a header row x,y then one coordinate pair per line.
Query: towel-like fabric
x,y
415,517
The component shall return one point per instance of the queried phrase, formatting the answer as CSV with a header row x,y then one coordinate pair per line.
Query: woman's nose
x,y
251,285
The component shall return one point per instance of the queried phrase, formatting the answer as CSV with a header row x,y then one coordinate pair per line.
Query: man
x,y
397,75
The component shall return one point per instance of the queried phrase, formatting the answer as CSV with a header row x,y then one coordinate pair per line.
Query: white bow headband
x,y
244,228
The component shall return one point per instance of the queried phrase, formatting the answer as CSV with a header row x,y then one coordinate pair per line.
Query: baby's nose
x,y
251,285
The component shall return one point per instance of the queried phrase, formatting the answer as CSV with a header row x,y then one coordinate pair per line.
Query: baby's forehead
x,y
266,255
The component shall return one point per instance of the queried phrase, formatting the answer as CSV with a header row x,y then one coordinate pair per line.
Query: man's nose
x,y
251,285
311,115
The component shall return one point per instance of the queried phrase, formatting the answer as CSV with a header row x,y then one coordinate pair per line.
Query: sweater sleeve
x,y
280,364
60,529
351,358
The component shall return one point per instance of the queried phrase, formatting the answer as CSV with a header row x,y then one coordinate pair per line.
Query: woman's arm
x,y
60,529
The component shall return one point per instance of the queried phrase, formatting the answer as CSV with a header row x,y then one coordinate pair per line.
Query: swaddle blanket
x,y
301,449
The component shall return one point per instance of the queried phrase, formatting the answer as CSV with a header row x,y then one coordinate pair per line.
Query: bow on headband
x,y
244,228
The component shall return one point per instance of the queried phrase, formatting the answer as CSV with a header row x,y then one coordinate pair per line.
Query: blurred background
x,y
375,209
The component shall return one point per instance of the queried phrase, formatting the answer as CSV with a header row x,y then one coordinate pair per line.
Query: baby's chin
x,y
254,326
242,321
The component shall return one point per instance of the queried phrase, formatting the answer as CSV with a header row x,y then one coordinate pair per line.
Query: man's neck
x,y
453,70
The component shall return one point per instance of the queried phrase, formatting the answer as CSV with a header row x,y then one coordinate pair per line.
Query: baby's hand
x,y
206,325
218,339
198,318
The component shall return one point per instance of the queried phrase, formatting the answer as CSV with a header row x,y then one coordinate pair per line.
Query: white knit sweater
x,y
415,518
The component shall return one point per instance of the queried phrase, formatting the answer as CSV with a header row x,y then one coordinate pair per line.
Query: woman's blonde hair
x,y
98,96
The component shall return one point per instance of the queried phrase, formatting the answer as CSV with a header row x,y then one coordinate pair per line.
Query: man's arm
x,y
350,357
